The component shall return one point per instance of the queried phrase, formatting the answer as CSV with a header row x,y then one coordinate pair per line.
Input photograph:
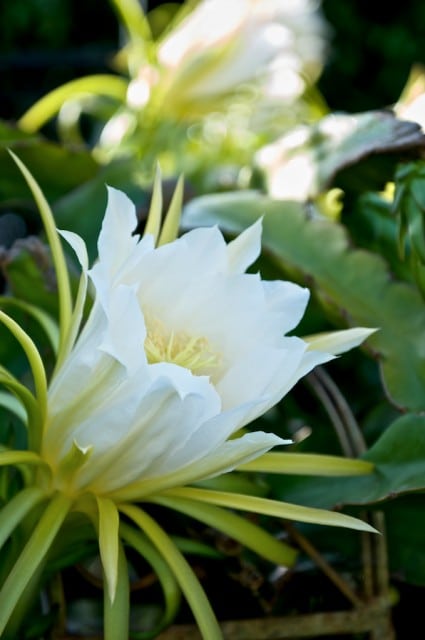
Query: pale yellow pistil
x,y
178,347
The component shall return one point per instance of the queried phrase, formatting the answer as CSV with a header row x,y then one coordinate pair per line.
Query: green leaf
x,y
409,206
355,285
236,483
405,526
372,225
399,454
399,459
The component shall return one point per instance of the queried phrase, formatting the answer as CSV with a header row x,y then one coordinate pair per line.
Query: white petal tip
x,y
336,342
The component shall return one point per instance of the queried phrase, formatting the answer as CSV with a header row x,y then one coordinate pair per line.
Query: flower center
x,y
179,347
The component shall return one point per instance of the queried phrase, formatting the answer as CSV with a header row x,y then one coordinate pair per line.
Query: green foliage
x,y
44,43
409,206
398,455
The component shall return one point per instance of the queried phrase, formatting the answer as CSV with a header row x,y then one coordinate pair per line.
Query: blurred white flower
x,y
414,111
246,63
277,46
290,175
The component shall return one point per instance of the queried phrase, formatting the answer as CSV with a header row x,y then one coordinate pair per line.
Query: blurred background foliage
x,y
372,50
44,43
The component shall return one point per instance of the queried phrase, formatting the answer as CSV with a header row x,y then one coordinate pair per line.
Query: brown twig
x,y
320,561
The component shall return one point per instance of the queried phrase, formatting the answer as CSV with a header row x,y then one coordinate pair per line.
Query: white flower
x,y
221,45
182,348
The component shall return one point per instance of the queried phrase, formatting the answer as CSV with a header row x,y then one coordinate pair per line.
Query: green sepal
x,y
269,507
32,408
34,359
171,223
45,321
20,457
308,464
170,589
116,609
153,222
13,404
61,269
16,509
182,571
75,458
109,543
236,527
32,556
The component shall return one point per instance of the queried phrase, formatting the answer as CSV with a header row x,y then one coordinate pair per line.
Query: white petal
x,y
80,249
78,245
126,332
138,447
78,369
213,433
115,240
245,248
236,452
287,299
167,274
223,459
263,378
337,342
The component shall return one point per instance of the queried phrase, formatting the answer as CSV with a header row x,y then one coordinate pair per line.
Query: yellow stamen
x,y
180,348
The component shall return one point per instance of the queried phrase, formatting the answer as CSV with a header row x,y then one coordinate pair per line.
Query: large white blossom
x,y
182,348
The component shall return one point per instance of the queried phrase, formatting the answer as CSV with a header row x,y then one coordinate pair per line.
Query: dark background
x,y
44,43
